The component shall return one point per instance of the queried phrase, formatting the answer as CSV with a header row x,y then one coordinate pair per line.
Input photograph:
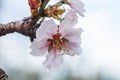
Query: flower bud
x,y
34,4
34,12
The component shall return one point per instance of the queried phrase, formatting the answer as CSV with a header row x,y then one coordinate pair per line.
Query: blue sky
x,y
100,39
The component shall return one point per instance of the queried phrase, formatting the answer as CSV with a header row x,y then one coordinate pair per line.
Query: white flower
x,y
78,6
57,40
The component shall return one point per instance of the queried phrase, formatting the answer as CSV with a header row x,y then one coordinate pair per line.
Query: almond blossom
x,y
78,6
57,40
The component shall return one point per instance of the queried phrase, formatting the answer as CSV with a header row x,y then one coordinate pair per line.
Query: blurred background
x,y
100,59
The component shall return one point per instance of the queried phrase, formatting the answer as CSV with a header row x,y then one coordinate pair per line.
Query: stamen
x,y
57,41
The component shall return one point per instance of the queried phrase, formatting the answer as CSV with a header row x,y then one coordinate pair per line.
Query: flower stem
x,y
41,10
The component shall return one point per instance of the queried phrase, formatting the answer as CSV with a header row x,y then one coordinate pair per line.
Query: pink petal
x,y
38,49
78,6
68,23
53,60
46,28
72,48
71,45
38,52
38,44
73,52
69,20
73,34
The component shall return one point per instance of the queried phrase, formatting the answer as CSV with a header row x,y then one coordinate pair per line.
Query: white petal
x,y
73,34
38,48
38,44
38,52
73,52
46,27
69,22
53,60
52,27
72,48
71,45
78,6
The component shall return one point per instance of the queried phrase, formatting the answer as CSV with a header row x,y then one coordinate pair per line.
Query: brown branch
x,y
3,75
24,27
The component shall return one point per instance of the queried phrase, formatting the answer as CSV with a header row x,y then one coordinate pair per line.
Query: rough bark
x,y
24,27
3,75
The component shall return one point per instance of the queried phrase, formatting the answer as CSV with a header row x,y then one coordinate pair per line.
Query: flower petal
x,y
53,60
38,48
78,6
46,28
73,34
69,21
72,48
73,52
40,45
38,52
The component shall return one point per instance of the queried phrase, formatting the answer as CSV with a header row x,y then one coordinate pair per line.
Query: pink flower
x,y
78,6
57,40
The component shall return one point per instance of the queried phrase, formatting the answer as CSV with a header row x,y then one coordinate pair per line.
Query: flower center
x,y
57,42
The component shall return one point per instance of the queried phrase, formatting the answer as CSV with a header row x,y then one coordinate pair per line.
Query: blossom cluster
x,y
55,40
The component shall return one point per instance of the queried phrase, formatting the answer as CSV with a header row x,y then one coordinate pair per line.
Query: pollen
x,y
57,42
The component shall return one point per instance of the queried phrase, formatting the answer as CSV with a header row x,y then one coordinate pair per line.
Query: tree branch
x,y
3,75
24,27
